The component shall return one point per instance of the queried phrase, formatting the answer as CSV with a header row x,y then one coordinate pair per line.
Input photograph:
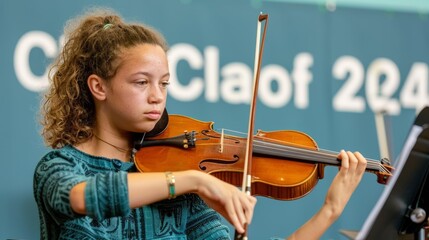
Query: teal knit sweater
x,y
106,198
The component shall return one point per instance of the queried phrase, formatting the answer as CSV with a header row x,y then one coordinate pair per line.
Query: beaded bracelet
x,y
171,185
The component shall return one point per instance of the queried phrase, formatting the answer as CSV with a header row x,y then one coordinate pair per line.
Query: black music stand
x,y
400,213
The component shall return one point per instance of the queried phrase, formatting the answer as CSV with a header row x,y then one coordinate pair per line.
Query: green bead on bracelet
x,y
171,185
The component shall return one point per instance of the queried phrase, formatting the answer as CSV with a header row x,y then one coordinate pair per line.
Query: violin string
x,y
299,146
314,154
298,153
311,153
301,150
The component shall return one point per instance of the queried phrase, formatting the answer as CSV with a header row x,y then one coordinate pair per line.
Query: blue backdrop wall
x,y
326,70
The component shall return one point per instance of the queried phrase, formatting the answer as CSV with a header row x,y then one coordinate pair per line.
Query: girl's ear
x,y
97,86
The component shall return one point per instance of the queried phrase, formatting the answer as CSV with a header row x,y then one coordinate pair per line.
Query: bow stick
x,y
247,171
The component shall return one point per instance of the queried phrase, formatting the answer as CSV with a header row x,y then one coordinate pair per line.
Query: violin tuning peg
x,y
385,161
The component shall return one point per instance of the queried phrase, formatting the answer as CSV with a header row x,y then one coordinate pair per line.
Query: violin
x,y
286,164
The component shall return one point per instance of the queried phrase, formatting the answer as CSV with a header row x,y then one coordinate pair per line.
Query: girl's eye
x,y
142,82
164,84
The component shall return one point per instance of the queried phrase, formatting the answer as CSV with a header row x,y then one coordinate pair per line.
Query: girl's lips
x,y
153,115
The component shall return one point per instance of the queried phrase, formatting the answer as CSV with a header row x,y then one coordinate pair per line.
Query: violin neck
x,y
302,154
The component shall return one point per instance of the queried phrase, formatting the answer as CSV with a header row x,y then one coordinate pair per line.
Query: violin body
x,y
188,144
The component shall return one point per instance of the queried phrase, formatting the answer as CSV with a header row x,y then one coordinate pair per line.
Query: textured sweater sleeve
x,y
106,195
54,178
205,223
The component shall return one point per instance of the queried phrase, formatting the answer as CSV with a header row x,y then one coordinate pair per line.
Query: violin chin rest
x,y
160,126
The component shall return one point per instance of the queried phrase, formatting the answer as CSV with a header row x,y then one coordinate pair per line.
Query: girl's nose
x,y
156,93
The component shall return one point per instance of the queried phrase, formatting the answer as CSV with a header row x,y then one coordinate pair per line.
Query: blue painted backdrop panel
x,y
324,73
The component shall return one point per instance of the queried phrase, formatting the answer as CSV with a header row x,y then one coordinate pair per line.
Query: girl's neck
x,y
120,149
108,147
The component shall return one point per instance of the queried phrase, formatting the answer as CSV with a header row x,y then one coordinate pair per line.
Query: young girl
x,y
108,83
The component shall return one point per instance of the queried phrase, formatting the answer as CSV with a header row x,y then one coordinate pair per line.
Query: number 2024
x,y
381,86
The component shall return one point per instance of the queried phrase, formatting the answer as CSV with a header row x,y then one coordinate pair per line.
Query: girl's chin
x,y
144,128
147,128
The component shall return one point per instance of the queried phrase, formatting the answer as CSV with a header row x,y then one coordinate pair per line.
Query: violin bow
x,y
247,171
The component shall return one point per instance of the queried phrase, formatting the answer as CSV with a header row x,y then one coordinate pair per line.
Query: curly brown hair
x,y
93,45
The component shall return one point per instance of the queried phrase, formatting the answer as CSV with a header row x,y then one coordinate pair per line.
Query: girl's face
x,y
136,95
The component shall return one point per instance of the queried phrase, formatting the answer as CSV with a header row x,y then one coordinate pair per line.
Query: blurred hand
x,y
236,206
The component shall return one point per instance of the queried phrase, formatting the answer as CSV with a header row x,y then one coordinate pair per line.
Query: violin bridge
x,y
221,141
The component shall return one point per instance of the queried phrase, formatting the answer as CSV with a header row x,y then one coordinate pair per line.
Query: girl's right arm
x,y
147,188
